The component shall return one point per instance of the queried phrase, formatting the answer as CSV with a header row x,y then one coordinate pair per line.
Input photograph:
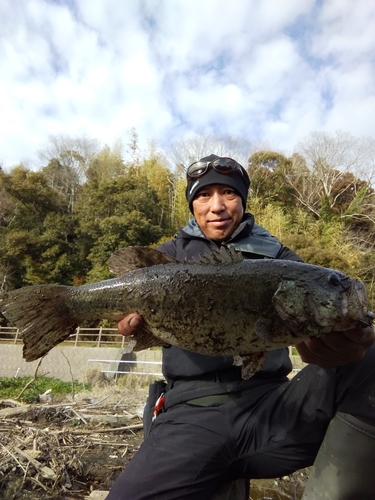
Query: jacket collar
x,y
243,230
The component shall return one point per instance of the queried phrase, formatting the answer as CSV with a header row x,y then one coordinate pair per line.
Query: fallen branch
x,y
13,412
46,472
23,408
10,402
108,419
78,415
97,431
14,458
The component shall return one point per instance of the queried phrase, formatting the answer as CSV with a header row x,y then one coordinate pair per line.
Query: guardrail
x,y
98,337
150,367
89,337
10,335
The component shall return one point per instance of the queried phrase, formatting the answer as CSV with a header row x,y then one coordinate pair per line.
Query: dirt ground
x,y
75,448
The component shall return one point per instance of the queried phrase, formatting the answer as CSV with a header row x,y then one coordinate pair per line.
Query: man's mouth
x,y
218,222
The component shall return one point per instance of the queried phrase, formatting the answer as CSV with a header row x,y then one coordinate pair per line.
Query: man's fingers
x,y
337,348
130,324
135,322
364,336
317,353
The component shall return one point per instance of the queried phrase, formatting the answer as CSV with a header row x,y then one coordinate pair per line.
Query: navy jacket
x,y
255,243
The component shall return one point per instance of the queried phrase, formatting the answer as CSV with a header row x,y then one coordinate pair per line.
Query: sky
x,y
265,71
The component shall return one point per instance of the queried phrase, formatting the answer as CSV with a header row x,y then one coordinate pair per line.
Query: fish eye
x,y
333,279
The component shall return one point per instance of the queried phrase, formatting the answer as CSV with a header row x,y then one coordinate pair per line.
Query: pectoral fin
x,y
290,303
250,364
143,340
263,329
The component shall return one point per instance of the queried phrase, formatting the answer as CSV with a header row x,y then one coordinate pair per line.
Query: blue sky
x,y
268,71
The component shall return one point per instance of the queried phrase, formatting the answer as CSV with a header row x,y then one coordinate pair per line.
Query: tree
x,y
322,174
30,191
267,171
160,179
186,151
37,241
73,152
117,213
64,179
107,164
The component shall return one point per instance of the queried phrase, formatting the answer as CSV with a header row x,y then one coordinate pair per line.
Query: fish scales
x,y
218,305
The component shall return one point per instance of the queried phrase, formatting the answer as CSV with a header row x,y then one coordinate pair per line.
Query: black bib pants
x,y
269,430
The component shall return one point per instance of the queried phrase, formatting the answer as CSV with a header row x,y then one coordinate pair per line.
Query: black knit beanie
x,y
240,183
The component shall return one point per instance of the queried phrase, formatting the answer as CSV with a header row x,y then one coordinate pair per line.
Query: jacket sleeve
x,y
286,253
169,248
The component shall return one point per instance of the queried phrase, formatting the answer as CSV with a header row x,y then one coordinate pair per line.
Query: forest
x,y
61,222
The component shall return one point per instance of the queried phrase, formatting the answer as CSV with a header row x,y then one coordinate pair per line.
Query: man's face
x,y
218,211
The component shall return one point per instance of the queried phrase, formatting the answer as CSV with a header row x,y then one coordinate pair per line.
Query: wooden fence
x,y
90,337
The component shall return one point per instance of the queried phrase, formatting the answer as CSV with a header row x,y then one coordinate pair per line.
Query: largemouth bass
x,y
220,304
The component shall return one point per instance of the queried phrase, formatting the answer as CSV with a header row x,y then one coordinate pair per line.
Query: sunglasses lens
x,y
221,165
224,165
197,169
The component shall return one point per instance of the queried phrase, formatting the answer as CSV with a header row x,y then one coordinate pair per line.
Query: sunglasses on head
x,y
221,165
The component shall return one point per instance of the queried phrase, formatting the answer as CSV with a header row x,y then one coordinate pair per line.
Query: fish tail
x,y
41,314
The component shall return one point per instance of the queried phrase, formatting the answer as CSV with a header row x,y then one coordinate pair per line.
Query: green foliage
x,y
64,180
31,191
325,212
270,216
160,179
36,236
181,211
106,165
114,214
12,387
317,242
267,171
313,253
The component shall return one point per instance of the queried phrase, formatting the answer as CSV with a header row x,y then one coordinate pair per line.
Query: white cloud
x,y
267,71
346,31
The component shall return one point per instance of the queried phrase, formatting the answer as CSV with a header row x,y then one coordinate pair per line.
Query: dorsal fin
x,y
220,256
129,258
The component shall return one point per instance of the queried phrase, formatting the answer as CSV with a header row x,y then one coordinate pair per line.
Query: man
x,y
214,427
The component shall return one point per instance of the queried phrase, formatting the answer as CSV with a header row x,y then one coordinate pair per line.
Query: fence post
x,y
77,334
100,336
16,336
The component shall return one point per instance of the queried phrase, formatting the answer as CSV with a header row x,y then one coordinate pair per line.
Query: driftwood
x,y
12,408
44,470
114,429
60,451
64,450
108,419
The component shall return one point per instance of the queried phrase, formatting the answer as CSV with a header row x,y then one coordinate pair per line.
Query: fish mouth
x,y
357,305
364,323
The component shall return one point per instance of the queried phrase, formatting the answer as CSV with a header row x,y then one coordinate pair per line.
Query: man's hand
x,y
337,348
130,325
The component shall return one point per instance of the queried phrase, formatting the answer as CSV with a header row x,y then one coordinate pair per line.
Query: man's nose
x,y
217,203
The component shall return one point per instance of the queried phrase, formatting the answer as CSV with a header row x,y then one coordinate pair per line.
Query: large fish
x,y
220,304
